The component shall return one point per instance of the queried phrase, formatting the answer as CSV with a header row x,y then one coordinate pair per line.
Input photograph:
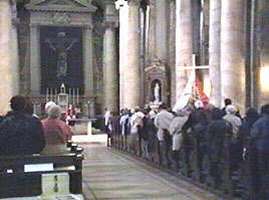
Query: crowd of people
x,y
23,133
217,138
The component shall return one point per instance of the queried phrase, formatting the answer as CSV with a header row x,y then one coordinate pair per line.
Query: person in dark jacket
x,y
218,129
260,139
20,133
200,135
249,167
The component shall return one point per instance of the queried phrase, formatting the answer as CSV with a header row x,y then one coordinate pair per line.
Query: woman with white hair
x,y
55,130
234,120
235,148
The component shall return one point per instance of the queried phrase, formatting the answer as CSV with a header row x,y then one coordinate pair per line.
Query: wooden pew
x,y
21,176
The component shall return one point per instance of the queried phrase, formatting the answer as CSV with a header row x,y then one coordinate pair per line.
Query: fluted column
x,y
35,60
232,51
14,48
8,84
123,8
151,44
88,61
183,42
214,51
110,61
162,19
172,50
132,71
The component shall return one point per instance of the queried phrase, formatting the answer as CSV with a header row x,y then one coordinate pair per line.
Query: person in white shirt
x,y
124,124
162,122
175,130
136,123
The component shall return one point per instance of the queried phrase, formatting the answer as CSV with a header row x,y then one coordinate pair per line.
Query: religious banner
x,y
199,93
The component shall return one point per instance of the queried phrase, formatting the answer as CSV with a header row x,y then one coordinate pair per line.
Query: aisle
x,y
112,175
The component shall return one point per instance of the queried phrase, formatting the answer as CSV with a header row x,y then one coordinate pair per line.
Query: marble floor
x,y
109,174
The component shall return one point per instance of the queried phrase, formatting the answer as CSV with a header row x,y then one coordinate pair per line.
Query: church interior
x,y
112,54
93,56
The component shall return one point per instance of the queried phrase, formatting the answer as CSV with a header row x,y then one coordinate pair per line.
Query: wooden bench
x,y
21,176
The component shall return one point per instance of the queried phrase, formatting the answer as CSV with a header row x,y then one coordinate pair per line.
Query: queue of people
x,y
214,146
23,133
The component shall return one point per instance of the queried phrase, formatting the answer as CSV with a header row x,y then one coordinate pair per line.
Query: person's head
x,y
162,106
137,109
18,103
29,108
54,112
198,104
227,101
49,105
265,109
231,109
252,113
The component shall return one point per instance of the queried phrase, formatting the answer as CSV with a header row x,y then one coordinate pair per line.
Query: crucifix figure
x,y
61,45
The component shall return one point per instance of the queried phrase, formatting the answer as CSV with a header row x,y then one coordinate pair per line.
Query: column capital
x,y
110,24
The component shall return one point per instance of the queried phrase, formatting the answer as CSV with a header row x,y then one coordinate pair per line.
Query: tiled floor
x,y
109,174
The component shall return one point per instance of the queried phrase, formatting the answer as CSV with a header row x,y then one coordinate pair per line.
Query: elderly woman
x,y
56,131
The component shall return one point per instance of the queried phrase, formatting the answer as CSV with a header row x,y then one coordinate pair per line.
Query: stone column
x,y
214,51
183,42
14,49
123,8
88,61
35,60
151,43
232,51
132,72
88,70
8,82
110,62
172,50
162,20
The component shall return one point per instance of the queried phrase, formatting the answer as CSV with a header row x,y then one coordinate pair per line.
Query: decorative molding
x,y
110,24
61,18
60,6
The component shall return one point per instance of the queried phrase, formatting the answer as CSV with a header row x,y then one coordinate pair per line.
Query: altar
x,y
61,35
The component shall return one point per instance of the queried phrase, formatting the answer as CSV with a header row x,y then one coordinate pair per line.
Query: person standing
x,y
249,166
124,124
218,130
175,130
107,124
162,122
235,146
260,138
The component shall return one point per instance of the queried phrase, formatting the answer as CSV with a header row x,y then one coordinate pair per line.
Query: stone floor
x,y
109,174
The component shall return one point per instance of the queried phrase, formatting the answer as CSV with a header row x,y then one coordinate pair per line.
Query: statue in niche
x,y
156,93
61,45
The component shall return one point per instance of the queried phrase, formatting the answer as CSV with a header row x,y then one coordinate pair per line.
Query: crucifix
x,y
194,67
61,45
184,97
